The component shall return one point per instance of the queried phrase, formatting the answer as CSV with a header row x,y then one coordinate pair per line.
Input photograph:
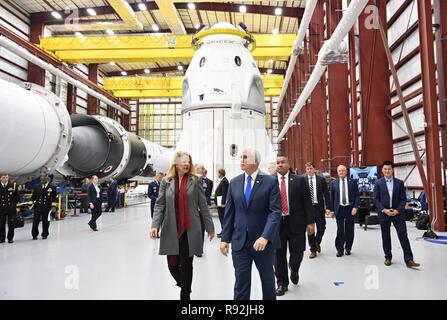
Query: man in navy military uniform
x,y
9,198
153,189
44,199
112,191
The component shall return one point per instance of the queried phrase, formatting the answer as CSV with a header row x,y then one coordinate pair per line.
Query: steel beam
x,y
318,105
434,196
377,139
35,73
93,107
339,126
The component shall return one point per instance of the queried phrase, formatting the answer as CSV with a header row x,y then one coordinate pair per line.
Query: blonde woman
x,y
180,203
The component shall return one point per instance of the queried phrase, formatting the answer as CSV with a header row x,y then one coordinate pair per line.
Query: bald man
x,y
344,203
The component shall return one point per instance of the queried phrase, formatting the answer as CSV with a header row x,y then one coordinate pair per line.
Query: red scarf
x,y
181,213
181,201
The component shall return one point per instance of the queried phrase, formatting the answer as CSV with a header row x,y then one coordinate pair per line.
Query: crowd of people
x,y
264,215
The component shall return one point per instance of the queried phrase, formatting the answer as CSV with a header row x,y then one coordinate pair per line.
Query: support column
x,y
71,98
318,105
377,138
126,119
36,74
340,135
434,196
440,7
93,107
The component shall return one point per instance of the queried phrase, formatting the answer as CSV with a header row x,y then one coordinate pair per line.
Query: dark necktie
x,y
312,190
284,205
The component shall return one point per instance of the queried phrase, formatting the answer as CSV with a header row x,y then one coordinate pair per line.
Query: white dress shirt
x,y
286,179
314,185
97,191
253,178
347,192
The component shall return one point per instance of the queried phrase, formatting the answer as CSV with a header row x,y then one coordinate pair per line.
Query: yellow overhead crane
x,y
151,48
139,87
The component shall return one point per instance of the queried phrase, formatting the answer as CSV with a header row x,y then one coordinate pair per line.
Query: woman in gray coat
x,y
180,203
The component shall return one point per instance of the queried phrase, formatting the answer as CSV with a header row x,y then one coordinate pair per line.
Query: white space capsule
x,y
223,102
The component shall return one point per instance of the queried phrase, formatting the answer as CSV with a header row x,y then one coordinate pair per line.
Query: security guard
x,y
44,199
9,198
152,191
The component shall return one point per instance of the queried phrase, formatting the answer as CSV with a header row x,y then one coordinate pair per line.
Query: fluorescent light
x,y
123,73
142,7
155,27
56,15
180,68
242,9
112,63
91,12
271,61
147,70
110,32
278,11
275,31
191,6
269,71
78,34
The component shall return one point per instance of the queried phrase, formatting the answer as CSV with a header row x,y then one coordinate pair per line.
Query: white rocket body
x,y
223,105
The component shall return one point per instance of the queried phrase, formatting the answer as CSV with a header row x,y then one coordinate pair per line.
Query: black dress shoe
x,y
348,252
387,262
34,238
43,238
281,290
1,241
199,256
10,241
339,254
294,277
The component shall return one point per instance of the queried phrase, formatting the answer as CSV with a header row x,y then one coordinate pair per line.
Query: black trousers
x,y
345,229
111,203
182,273
40,215
221,212
296,243
401,229
96,213
320,222
7,215
202,226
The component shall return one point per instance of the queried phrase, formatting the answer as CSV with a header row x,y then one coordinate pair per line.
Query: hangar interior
x,y
379,94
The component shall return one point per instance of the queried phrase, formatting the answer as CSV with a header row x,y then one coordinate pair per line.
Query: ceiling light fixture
x,y
91,12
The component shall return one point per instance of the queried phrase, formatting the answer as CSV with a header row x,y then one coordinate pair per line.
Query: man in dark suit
x,y
9,199
152,191
344,203
221,193
390,199
95,202
44,199
112,191
319,194
296,215
207,185
251,224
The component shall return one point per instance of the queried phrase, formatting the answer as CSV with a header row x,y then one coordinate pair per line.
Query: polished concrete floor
x,y
122,262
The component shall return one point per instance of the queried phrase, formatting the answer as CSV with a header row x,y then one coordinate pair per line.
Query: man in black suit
x,y
44,199
221,191
296,216
344,203
319,195
390,199
95,202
